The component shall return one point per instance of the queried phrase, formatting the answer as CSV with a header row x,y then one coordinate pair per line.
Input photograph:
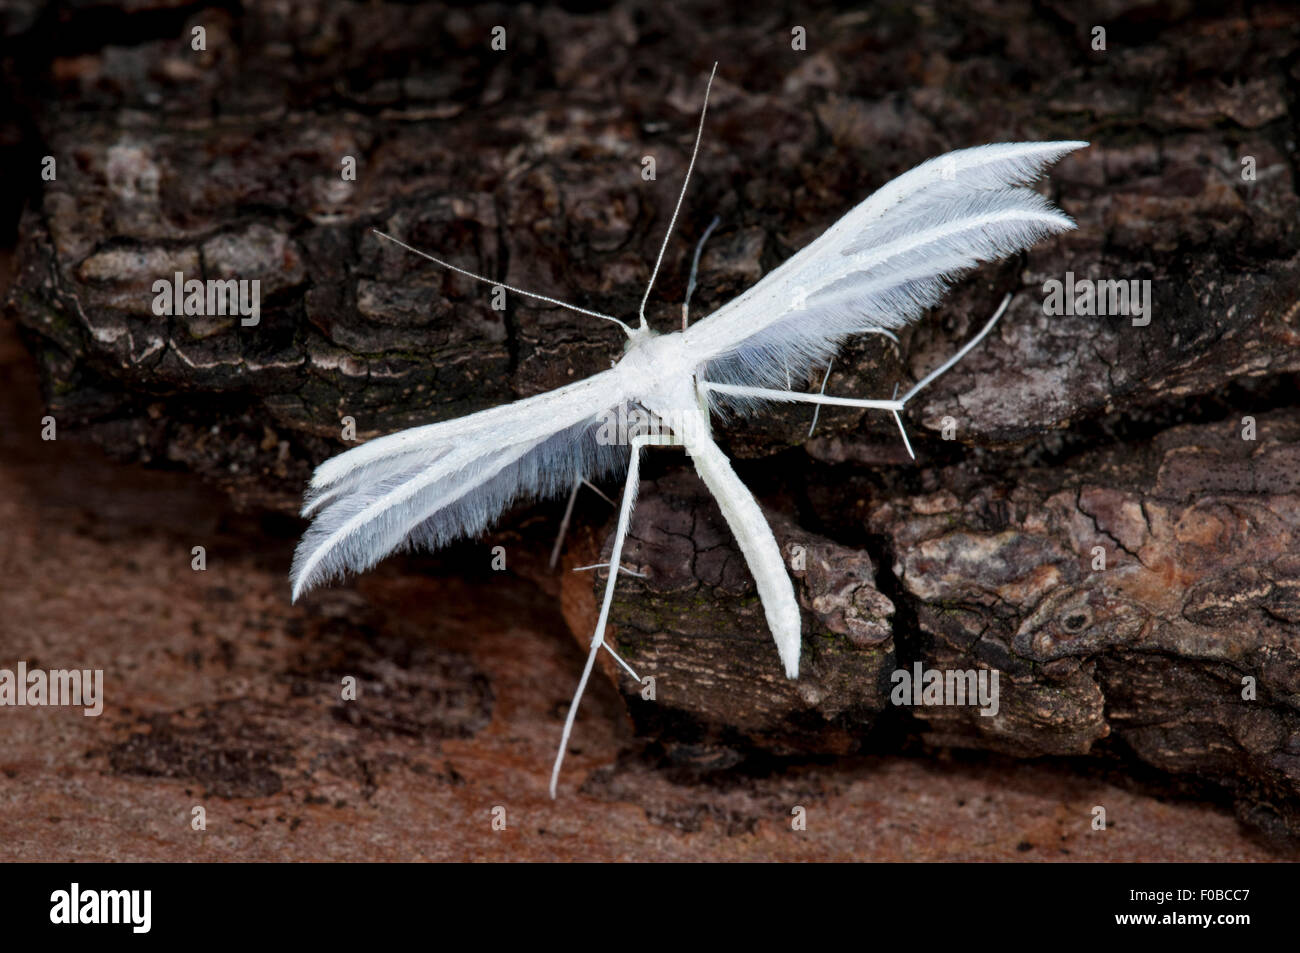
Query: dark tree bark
x,y
1139,599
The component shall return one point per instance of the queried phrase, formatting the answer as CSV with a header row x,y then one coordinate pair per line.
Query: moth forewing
x,y
758,545
430,485
884,263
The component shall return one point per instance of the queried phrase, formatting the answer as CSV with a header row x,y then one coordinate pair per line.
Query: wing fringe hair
x,y
428,486
883,264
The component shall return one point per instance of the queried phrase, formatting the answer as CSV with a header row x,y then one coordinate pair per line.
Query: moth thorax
x,y
659,371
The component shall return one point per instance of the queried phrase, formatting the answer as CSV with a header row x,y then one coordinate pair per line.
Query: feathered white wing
x,y
882,264
430,485
878,267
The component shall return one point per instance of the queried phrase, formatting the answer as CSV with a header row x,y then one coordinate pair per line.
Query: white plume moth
x,y
876,269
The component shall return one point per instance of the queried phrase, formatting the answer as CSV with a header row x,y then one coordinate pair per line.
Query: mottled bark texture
x,y
1068,432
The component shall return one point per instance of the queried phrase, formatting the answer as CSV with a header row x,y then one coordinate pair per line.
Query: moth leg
x,y
894,405
816,410
568,515
620,660
695,269
564,523
559,542
615,557
630,572
609,648
598,491
965,349
923,382
903,430
797,396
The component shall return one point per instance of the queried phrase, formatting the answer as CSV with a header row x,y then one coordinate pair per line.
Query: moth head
x,y
638,336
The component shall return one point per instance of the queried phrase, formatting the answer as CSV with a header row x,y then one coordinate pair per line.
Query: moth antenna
x,y
673,221
502,284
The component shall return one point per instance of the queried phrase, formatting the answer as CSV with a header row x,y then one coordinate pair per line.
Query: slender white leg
x,y
894,406
966,348
903,430
615,556
795,396
630,572
598,491
818,410
609,648
568,515
564,523
621,661
695,269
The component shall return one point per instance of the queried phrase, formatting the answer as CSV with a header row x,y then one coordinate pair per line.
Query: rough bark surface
x,y
1068,432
